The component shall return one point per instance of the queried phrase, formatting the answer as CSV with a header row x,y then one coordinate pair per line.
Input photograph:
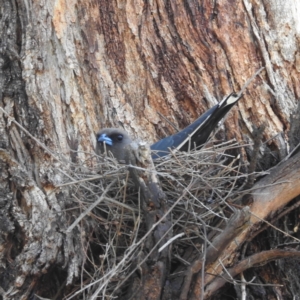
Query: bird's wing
x,y
198,132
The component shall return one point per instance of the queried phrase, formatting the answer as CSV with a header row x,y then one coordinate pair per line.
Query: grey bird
x,y
113,140
193,136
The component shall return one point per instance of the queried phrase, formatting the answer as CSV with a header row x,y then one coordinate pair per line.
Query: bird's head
x,y
114,140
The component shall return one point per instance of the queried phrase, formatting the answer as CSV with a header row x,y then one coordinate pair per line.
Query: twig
x,y
249,81
90,208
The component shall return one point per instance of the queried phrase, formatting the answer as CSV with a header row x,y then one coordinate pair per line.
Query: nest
x,y
201,188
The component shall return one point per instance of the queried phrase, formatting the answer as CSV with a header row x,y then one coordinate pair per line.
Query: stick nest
x,y
104,208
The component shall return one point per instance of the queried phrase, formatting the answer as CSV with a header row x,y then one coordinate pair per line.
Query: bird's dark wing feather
x,y
174,141
198,132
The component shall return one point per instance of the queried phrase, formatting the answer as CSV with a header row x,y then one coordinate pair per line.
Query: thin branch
x,y
90,208
256,260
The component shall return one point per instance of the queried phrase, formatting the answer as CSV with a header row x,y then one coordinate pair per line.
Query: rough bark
x,y
68,68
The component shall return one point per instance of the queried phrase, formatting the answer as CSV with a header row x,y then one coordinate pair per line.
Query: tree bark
x,y
69,68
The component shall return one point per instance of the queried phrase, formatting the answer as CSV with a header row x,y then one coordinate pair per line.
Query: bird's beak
x,y
105,139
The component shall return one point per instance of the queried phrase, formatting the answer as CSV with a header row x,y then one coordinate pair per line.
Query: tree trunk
x,y
69,68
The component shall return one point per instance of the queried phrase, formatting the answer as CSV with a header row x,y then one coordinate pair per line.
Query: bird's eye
x,y
120,137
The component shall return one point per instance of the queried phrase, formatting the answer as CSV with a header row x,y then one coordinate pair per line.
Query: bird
x,y
113,140
193,136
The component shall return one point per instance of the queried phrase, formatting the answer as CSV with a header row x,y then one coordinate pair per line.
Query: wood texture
x,y
69,68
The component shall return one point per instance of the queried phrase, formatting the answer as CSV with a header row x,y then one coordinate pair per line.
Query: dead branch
x,y
270,194
237,224
256,260
154,206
